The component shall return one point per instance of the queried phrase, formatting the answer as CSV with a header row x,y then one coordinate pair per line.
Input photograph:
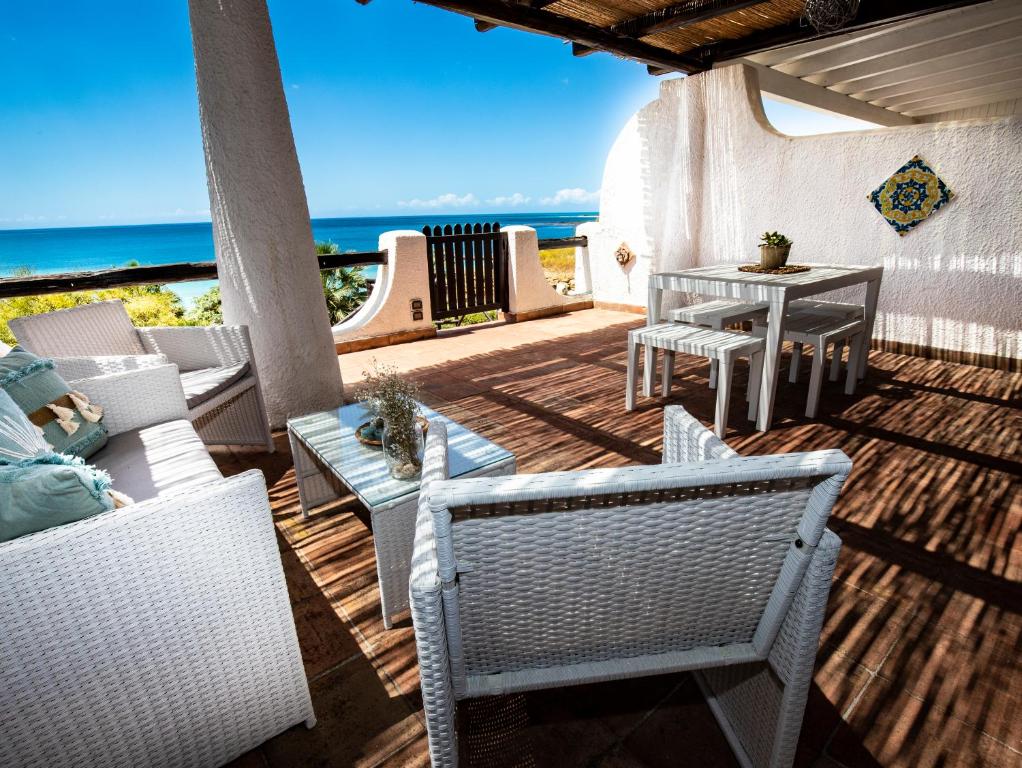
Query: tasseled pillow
x,y
69,422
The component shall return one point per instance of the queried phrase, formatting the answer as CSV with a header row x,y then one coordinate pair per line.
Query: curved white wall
x,y
696,176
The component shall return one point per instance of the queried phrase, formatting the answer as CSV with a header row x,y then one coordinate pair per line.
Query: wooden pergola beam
x,y
485,26
870,15
534,20
679,15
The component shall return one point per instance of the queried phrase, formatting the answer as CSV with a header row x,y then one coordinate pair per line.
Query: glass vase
x,y
403,449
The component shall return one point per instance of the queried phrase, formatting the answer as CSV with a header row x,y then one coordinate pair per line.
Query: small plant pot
x,y
773,256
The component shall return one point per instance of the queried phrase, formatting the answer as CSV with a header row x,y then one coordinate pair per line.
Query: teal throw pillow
x,y
39,488
69,422
34,497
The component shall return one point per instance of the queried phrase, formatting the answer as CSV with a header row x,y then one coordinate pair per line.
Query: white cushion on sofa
x,y
148,462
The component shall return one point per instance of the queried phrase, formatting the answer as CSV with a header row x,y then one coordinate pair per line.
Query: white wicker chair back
x,y
576,577
103,328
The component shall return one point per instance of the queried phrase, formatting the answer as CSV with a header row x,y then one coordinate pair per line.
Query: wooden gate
x,y
467,269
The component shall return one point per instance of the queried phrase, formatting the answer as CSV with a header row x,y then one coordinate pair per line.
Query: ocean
x,y
84,249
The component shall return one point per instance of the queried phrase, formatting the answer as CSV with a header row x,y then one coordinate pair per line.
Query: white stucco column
x,y
269,277
399,308
529,294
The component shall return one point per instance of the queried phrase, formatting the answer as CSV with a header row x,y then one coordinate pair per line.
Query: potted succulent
x,y
773,250
394,416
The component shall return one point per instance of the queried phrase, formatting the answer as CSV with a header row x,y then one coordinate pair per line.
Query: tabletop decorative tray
x,y
789,269
363,432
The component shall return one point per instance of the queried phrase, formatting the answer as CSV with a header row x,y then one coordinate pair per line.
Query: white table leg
x,y
654,306
752,393
632,373
771,360
869,316
724,377
796,361
314,487
668,372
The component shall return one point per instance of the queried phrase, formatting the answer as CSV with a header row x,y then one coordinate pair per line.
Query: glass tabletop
x,y
330,435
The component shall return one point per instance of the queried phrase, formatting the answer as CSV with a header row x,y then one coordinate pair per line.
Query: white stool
x,y
826,309
724,347
717,314
820,331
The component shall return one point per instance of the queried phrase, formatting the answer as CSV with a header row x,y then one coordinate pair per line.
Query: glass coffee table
x,y
329,461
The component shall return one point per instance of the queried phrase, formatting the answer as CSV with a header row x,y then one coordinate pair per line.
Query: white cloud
x,y
512,201
572,195
450,200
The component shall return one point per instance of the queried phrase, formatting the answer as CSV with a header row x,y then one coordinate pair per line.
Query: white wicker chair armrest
x,y
794,649
135,399
194,347
687,440
75,368
189,586
426,601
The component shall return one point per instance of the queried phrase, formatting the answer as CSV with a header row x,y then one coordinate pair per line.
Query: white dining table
x,y
776,291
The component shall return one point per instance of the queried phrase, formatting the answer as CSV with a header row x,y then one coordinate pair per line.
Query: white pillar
x,y
529,294
269,278
399,308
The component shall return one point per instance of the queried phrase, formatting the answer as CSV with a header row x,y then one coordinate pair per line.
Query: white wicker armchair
x,y
709,562
158,634
218,371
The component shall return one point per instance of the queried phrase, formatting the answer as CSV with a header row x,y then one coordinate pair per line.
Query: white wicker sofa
x,y
157,634
710,562
217,366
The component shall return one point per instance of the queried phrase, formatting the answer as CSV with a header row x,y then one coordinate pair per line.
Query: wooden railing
x,y
548,244
38,285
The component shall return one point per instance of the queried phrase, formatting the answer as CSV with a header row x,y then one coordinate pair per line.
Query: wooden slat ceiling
x,y
956,59
679,35
896,61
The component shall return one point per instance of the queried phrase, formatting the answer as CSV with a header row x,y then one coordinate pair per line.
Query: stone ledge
x,y
385,340
536,314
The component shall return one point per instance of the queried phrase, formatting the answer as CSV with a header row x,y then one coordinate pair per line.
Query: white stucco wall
x,y
404,278
528,289
696,176
269,276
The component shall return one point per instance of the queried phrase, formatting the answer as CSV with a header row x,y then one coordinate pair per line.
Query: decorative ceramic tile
x,y
911,194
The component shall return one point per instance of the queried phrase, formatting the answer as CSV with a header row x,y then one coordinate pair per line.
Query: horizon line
x,y
423,215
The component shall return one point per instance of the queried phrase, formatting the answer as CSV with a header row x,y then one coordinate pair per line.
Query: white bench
x,y
722,346
717,314
820,331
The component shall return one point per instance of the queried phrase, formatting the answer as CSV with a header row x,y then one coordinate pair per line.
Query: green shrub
x,y
345,290
146,305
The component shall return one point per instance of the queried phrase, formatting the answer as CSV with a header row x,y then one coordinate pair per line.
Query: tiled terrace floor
x,y
919,664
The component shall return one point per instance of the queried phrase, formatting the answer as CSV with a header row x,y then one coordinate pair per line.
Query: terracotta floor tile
x,y
358,723
252,759
891,727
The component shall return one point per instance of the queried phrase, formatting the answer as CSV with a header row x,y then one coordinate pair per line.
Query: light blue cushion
x,y
37,496
33,383
39,488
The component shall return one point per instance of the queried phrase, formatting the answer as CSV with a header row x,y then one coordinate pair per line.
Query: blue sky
x,y
396,108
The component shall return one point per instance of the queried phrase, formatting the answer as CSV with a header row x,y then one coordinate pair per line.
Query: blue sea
x,y
83,249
